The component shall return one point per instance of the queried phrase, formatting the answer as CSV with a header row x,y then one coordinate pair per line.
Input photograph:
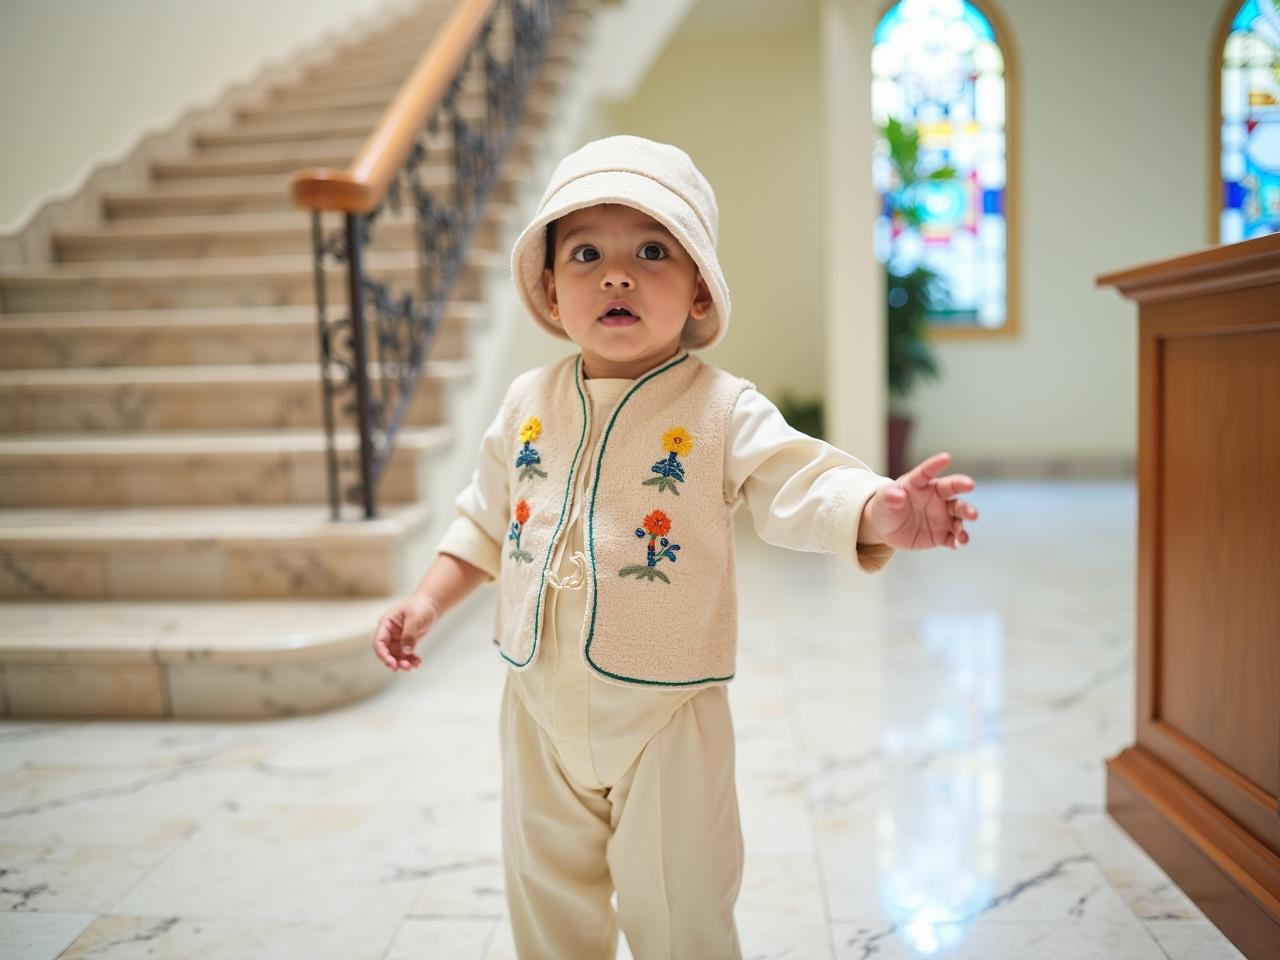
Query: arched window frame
x,y
1011,327
1227,15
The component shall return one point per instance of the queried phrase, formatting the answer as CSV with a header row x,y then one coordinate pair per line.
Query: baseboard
x,y
1202,849
1065,467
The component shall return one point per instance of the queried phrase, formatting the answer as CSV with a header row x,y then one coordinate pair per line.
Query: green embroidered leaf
x,y
656,480
659,573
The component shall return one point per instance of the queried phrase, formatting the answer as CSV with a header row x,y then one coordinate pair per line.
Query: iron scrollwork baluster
x,y
404,322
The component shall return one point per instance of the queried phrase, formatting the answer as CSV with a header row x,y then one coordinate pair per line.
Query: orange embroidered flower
x,y
677,440
522,512
657,523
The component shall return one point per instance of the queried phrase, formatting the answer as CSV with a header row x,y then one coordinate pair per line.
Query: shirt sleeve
x,y
803,493
477,533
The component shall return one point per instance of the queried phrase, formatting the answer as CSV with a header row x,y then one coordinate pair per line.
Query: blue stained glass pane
x,y
1250,134
887,25
979,24
993,201
1248,13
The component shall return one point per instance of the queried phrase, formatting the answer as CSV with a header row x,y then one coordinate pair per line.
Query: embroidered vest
x,y
661,600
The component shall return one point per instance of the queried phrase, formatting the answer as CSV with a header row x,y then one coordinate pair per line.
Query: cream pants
x,y
665,834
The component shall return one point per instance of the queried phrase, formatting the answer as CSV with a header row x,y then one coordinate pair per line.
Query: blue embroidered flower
x,y
656,525
671,471
528,458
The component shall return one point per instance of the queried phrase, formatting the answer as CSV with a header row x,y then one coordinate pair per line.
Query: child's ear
x,y
549,288
701,300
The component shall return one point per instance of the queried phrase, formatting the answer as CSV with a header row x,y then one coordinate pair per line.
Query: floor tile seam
x,y
214,809
797,740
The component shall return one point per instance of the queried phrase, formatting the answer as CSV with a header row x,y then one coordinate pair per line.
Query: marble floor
x,y
920,771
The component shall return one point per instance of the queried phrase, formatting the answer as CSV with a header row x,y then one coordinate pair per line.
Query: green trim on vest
x,y
591,546
564,506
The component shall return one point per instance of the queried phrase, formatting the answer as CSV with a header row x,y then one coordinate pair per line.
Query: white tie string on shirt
x,y
576,579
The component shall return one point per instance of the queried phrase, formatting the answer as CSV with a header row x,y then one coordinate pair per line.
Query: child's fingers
x,y
953,485
927,469
388,640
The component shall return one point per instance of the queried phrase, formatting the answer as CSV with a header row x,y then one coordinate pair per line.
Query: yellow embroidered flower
x,y
531,430
677,440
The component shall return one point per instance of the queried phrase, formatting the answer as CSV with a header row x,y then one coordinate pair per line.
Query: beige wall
x,y
83,80
755,132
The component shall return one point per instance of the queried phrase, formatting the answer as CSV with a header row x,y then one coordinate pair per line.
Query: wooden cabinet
x,y
1199,789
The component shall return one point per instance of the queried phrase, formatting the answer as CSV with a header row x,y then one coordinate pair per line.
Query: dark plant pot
x,y
899,437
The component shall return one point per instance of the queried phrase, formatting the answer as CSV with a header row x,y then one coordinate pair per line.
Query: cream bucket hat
x,y
656,178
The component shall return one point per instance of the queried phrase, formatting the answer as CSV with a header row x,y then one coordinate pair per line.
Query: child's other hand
x,y
921,509
400,628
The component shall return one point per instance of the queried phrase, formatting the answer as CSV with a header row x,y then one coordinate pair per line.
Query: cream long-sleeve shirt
x,y
802,492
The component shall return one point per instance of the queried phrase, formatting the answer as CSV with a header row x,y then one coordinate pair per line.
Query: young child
x,y
603,505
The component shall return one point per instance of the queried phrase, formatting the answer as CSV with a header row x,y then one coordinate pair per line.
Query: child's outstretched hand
x,y
921,509
401,627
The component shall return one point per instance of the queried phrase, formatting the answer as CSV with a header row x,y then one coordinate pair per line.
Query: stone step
x,y
300,99
358,122
212,282
405,48
377,82
261,159
242,235
340,74
301,105
410,47
192,659
288,152
355,70
261,194
340,123
226,397
211,335
384,84
202,468
235,552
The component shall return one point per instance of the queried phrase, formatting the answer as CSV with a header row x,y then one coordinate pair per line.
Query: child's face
x,y
614,252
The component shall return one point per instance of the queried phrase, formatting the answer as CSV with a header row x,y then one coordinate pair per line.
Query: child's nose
x,y
616,274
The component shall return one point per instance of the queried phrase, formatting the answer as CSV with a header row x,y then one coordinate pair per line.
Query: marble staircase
x,y
166,548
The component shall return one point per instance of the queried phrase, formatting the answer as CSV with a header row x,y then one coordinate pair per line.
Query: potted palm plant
x,y
912,291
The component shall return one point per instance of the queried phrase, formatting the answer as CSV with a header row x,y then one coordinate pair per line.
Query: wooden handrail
x,y
361,187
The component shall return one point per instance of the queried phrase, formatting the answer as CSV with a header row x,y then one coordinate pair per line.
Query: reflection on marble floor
x,y
919,770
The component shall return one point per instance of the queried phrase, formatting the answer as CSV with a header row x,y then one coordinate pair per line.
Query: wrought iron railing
x,y
487,53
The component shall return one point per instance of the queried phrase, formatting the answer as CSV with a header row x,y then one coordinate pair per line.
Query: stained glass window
x,y
1251,123
937,66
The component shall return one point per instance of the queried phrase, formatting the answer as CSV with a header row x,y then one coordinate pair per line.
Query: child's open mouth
x,y
619,317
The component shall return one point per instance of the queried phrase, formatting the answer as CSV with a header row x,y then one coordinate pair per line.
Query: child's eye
x,y
662,251
582,249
